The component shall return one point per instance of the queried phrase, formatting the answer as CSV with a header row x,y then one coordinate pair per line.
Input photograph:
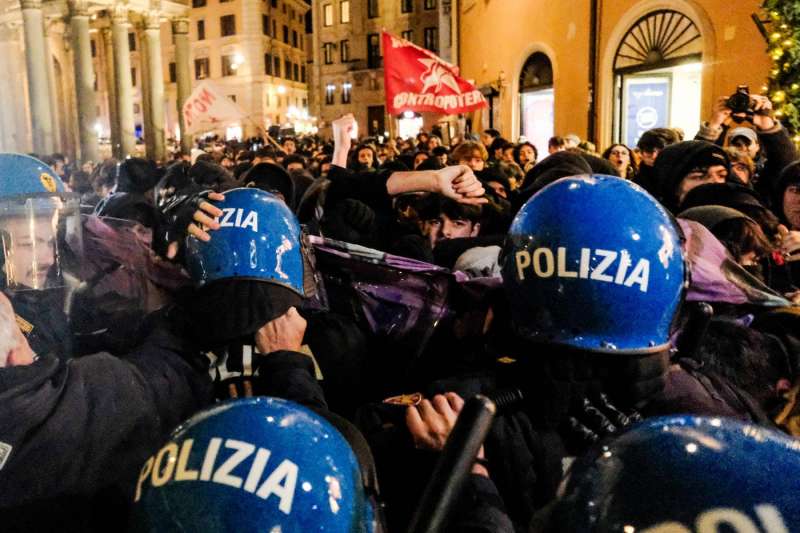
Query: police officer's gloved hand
x,y
186,212
592,420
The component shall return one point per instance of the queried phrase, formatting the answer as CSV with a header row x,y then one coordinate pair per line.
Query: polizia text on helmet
x,y
170,464
612,266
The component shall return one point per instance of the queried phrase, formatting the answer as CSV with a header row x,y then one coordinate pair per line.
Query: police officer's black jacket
x,y
290,375
74,434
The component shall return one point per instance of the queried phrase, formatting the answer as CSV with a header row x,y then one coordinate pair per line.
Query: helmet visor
x,y
39,238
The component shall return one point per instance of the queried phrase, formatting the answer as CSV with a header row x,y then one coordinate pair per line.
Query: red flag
x,y
417,80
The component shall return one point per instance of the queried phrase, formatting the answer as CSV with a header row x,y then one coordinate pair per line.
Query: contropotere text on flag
x,y
445,102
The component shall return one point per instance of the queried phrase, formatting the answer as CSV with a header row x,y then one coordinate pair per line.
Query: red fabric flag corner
x,y
418,80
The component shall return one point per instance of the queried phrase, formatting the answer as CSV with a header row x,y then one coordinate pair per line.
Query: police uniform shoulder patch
x,y
24,325
48,182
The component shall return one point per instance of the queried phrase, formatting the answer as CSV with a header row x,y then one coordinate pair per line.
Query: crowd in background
x,y
449,205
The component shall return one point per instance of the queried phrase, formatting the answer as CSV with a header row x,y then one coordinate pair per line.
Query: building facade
x,y
94,78
253,51
347,61
606,70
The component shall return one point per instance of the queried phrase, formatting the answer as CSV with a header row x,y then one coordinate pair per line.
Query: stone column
x,y
180,29
111,91
123,88
155,87
84,79
38,90
51,87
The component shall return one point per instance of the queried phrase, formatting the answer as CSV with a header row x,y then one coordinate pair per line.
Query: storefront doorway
x,y
657,76
536,101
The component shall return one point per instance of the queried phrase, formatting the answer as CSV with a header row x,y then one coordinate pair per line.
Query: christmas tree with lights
x,y
783,40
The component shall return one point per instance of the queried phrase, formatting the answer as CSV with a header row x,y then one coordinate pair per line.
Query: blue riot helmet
x,y
257,464
594,263
683,474
40,230
259,239
252,270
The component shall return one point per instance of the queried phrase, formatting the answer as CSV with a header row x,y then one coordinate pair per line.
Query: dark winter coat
x,y
74,434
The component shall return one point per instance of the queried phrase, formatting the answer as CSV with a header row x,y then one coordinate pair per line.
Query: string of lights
x,y
783,85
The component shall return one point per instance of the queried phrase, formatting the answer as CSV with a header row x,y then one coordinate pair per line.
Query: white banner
x,y
207,109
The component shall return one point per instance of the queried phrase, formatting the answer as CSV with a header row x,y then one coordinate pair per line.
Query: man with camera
x,y
770,147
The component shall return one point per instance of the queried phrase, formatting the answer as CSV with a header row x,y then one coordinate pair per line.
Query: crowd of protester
x,y
99,390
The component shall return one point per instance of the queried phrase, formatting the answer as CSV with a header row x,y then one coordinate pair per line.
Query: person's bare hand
x,y
790,244
343,128
204,219
459,183
720,112
793,297
284,333
431,421
762,112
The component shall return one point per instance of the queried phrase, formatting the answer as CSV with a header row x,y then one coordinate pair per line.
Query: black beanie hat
x,y
271,178
137,175
678,160
599,165
730,195
554,167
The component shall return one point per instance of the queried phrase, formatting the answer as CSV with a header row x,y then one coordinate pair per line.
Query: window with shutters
x,y
227,25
